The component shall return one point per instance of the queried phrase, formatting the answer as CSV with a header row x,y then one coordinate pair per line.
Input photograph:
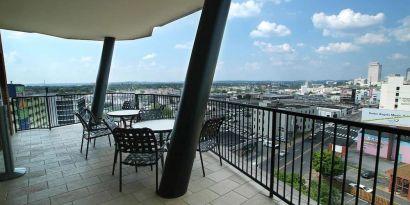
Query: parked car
x,y
367,174
282,153
268,143
362,187
281,138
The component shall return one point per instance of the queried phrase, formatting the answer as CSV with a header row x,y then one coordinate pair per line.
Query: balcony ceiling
x,y
93,19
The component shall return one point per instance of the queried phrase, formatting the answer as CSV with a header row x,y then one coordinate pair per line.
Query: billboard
x,y
386,117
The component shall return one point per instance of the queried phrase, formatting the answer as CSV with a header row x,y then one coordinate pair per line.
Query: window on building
x,y
395,106
397,88
397,94
396,100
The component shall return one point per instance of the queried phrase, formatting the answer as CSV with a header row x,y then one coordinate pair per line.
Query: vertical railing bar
x,y
272,159
14,111
396,160
360,167
293,157
286,151
267,150
332,164
376,169
279,140
320,164
311,158
301,160
263,133
345,164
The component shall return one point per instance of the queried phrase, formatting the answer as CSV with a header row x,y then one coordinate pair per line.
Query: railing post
x,y
137,102
48,110
112,101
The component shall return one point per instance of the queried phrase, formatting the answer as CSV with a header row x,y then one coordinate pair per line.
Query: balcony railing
x,y
296,156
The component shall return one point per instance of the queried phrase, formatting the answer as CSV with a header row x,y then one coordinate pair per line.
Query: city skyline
x,y
269,40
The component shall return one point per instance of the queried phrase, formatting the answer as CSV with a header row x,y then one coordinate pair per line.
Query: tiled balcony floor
x,y
59,174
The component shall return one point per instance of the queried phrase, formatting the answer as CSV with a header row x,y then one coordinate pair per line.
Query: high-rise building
x,y
374,73
395,94
408,74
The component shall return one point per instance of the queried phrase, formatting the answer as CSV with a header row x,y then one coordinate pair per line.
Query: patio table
x,y
124,115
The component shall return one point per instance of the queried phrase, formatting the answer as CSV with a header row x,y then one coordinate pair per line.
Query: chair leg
x,y
219,153
156,176
120,172
109,139
115,162
94,142
202,163
86,152
151,168
82,142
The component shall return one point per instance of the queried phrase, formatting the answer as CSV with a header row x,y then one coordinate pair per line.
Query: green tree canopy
x,y
327,163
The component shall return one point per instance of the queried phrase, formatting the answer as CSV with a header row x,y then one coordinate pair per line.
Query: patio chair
x,y
209,138
92,131
142,149
154,114
128,105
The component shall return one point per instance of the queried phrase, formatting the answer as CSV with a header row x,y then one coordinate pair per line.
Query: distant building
x,y
348,96
360,81
332,111
395,94
304,89
400,119
368,97
408,74
374,73
262,120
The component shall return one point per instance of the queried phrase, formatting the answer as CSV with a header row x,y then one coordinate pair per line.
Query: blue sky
x,y
264,40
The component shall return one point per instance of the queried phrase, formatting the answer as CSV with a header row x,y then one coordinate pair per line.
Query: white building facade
x,y
395,94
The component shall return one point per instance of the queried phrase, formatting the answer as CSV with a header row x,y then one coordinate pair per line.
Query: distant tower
x,y
408,74
374,74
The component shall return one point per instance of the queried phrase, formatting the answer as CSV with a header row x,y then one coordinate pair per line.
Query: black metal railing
x,y
297,156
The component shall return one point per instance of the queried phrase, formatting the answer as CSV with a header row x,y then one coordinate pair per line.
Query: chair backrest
x,y
110,123
128,105
141,140
83,121
210,129
154,114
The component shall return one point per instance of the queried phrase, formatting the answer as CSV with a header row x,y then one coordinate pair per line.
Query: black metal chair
x,y
154,114
209,138
92,130
141,146
128,105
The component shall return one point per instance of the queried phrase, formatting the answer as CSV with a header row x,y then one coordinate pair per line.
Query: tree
x,y
327,163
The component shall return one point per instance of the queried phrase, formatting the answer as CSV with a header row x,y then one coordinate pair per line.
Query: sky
x,y
276,40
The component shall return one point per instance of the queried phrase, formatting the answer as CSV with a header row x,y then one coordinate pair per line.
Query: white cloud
x,y
11,57
245,9
149,56
267,29
269,48
186,45
340,47
280,1
300,45
345,20
372,38
402,33
398,56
